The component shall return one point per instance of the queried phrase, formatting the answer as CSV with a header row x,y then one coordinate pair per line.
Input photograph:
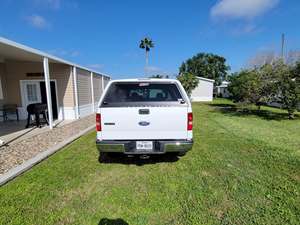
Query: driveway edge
x,y
18,170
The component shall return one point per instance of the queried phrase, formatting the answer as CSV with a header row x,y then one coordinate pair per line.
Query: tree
x,y
296,71
287,86
268,57
267,80
275,82
293,57
189,81
245,87
253,86
206,65
146,44
159,76
296,76
262,58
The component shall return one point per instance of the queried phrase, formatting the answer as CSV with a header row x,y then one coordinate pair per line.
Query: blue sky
x,y
105,34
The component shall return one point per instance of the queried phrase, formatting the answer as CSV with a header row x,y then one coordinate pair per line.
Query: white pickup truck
x,y
144,116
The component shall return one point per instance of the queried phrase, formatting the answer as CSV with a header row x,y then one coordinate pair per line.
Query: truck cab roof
x,y
146,80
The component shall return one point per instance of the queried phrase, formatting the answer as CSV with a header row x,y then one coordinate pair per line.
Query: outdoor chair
x,y
36,110
9,109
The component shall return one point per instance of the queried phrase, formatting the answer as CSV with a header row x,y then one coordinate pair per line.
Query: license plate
x,y
144,145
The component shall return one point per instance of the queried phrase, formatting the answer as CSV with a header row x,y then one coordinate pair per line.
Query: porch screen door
x,y
32,92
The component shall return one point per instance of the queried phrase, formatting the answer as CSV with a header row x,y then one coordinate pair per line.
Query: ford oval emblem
x,y
144,123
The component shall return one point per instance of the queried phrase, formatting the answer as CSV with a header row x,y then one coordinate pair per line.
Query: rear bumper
x,y
160,146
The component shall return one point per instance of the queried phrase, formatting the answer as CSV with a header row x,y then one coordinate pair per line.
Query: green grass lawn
x,y
244,169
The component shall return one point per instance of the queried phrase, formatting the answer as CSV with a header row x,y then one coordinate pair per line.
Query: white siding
x,y
203,92
84,89
97,88
106,80
84,93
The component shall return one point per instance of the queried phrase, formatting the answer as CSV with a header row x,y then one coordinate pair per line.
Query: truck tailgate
x,y
144,123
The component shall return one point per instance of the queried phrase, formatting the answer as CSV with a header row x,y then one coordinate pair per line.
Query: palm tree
x,y
146,44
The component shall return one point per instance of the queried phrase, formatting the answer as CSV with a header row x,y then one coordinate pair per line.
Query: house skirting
x,y
69,113
201,99
85,110
66,113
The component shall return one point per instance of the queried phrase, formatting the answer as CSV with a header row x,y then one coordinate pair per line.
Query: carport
x,y
29,76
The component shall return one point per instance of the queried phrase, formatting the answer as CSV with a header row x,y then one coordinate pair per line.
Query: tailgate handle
x,y
144,111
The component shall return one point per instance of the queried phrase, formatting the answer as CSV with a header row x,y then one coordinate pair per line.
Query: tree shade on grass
x,y
244,168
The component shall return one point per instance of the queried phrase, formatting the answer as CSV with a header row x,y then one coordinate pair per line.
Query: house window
x,y
32,92
1,90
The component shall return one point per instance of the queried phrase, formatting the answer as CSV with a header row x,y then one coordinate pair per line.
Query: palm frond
x,y
151,44
142,44
146,43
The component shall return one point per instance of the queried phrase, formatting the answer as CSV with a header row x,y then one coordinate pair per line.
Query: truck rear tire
x,y
104,157
180,154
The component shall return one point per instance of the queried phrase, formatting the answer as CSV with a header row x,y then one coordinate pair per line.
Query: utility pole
x,y
282,45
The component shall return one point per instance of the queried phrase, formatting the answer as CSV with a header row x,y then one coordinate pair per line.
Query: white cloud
x,y
37,21
241,9
249,28
245,29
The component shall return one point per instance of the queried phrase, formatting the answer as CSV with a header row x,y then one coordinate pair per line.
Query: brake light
x,y
98,122
190,121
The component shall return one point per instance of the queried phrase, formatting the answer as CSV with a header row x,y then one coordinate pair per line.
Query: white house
x,y
204,91
222,90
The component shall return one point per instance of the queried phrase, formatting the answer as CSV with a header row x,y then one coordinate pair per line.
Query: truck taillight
x,y
98,122
190,121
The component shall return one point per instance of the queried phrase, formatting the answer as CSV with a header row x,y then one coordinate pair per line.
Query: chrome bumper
x,y
160,147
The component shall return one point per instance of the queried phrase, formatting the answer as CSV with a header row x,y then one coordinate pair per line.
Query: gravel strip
x,y
17,153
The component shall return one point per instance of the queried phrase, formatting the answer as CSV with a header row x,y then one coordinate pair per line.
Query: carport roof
x,y
15,51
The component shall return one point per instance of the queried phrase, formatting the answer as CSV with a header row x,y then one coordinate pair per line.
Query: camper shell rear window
x,y
132,93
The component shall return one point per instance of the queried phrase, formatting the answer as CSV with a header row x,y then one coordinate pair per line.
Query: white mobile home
x,y
222,90
30,76
204,91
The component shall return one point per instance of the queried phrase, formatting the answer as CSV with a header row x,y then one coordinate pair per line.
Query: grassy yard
x,y
244,169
